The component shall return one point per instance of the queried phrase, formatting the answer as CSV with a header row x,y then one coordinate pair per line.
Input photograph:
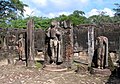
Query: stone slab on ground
x,y
104,72
54,67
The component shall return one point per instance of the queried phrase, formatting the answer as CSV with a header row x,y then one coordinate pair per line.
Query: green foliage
x,y
99,19
10,10
61,18
20,23
39,22
117,13
38,65
117,9
77,18
3,25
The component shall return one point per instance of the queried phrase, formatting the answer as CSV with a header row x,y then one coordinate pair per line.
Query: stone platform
x,y
55,68
104,72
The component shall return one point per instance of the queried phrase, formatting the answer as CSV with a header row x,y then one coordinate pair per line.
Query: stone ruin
x,y
111,31
27,42
60,44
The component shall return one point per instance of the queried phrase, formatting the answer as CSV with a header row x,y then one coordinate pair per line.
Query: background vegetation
x,y
12,11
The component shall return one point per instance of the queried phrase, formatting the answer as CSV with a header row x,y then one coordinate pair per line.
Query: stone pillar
x,y
90,45
10,42
30,44
119,49
106,65
68,45
4,44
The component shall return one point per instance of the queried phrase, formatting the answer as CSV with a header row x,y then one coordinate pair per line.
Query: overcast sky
x,y
54,8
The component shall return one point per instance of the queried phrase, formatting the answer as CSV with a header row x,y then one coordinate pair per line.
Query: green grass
x,y
38,65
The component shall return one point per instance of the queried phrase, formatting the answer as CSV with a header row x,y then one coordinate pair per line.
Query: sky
x,y
54,8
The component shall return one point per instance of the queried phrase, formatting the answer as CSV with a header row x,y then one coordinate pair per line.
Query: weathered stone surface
x,y
30,44
104,72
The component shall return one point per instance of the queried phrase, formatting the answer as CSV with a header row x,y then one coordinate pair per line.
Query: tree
x,y
99,19
19,23
117,13
117,10
62,17
77,17
10,10
78,13
39,22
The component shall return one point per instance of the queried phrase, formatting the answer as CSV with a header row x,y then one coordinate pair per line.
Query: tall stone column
x,y
68,44
30,44
90,45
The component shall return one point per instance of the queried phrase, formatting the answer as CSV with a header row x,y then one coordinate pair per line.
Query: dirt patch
x,y
11,74
18,74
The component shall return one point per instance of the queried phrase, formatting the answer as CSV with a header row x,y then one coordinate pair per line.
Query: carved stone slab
x,y
55,68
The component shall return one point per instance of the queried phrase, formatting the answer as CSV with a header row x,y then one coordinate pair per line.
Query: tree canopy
x,y
117,13
117,9
11,9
